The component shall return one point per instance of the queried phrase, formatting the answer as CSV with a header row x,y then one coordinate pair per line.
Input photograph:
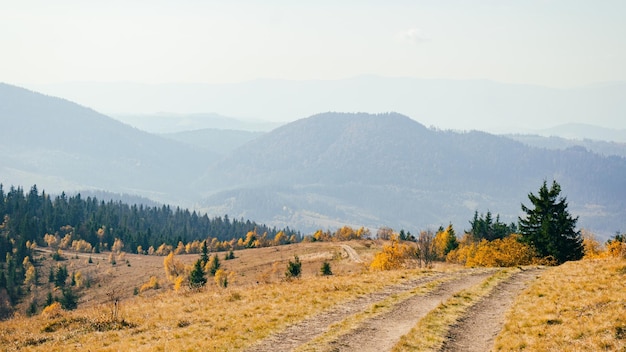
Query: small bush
x,y
221,278
294,269
183,323
53,310
69,300
57,256
325,270
152,284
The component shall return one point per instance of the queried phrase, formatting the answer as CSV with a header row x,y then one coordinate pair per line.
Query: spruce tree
x,y
325,270
196,277
69,299
549,227
204,256
294,268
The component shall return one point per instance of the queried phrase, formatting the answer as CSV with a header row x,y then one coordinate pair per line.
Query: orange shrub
x,y
616,249
392,256
53,310
498,253
152,284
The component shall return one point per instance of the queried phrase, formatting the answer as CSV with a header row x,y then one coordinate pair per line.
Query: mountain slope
x,y
390,170
597,146
214,140
58,145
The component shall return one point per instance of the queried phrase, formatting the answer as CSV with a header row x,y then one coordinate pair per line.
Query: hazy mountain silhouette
x,y
390,170
597,146
175,123
581,131
218,141
457,104
61,145
322,171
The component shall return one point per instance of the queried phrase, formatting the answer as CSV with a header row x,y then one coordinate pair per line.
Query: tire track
x,y
383,332
300,333
477,330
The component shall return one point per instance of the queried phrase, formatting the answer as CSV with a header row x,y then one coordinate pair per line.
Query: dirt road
x,y
478,329
474,332
352,254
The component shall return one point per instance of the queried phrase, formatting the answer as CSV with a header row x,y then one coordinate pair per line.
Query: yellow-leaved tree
x,y
592,247
444,242
175,270
392,256
616,246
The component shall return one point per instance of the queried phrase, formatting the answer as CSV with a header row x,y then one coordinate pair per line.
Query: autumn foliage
x,y
393,256
503,252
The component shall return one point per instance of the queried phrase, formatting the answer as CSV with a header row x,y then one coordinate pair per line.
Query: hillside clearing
x,y
579,302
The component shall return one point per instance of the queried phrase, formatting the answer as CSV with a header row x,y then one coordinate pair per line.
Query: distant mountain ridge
x,y
322,171
387,168
214,140
597,146
54,142
582,131
176,123
448,104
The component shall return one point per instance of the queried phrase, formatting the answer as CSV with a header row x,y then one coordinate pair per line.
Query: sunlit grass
x,y
578,306
213,319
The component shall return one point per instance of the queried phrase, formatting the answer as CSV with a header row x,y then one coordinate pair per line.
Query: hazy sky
x,y
561,43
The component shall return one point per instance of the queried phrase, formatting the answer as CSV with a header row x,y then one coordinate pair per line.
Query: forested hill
x,y
324,171
374,170
30,216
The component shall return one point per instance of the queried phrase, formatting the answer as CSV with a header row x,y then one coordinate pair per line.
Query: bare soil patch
x,y
477,330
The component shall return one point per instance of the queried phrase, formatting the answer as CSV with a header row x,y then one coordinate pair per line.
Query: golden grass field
x,y
576,306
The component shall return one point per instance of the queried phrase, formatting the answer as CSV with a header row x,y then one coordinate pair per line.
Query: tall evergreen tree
x,y
549,227
204,256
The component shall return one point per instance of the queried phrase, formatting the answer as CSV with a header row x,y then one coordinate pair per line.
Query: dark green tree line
x,y
34,214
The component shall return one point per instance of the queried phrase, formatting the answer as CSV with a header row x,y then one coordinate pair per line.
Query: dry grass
x,y
210,319
578,306
430,333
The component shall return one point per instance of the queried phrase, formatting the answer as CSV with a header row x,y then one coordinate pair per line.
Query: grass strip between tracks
x,y
430,333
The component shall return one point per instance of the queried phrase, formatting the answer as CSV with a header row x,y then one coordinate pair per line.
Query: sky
x,y
553,43
559,44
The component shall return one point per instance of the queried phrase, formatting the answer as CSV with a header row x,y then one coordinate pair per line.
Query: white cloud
x,y
413,35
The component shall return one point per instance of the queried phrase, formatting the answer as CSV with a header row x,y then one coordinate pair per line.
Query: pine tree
x,y
325,269
294,268
61,276
549,227
69,300
196,277
204,257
